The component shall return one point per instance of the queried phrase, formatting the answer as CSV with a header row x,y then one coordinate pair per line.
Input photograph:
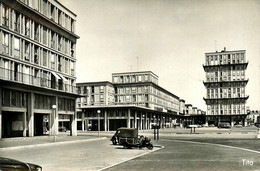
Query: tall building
x,y
133,99
225,85
37,68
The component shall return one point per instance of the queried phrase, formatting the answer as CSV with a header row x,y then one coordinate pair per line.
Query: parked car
x,y
224,125
211,125
11,164
62,129
128,137
238,126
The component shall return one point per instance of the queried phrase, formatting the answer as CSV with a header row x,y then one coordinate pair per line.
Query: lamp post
x,y
98,111
54,120
144,123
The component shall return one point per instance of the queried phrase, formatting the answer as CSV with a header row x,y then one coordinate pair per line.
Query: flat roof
x,y
137,72
225,51
93,83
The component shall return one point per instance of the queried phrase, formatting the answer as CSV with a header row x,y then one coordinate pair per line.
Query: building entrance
x,y
41,124
12,124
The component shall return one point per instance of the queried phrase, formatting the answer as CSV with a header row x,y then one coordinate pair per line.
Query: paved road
x,y
187,155
92,155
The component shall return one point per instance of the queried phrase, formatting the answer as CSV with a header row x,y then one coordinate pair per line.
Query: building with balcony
x,y
133,99
225,85
37,68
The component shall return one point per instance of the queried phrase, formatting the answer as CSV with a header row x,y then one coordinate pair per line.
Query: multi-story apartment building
x,y
37,67
225,85
133,99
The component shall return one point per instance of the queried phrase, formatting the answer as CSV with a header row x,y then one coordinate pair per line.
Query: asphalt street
x,y
189,155
90,155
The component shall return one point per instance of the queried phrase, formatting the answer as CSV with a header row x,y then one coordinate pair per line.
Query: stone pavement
x,y
25,142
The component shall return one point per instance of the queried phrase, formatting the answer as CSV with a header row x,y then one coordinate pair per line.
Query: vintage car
x,y
224,125
128,137
11,164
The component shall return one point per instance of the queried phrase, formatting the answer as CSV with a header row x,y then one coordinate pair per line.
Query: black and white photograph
x,y
129,85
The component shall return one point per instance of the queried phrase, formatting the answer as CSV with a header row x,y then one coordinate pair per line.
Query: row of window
x,y
36,55
135,78
226,109
13,71
225,76
233,92
51,11
14,98
25,26
225,59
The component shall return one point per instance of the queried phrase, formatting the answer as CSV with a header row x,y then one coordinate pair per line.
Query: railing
x,y
11,75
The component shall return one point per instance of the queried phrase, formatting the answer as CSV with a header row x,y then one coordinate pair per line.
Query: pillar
x,y
86,124
145,120
207,120
141,121
1,122
73,131
245,121
149,122
108,125
83,121
128,118
24,124
30,111
232,121
135,120
105,120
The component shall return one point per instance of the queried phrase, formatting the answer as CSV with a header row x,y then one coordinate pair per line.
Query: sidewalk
x,y
25,142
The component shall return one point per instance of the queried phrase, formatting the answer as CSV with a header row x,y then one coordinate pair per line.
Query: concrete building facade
x,y
37,68
225,86
133,99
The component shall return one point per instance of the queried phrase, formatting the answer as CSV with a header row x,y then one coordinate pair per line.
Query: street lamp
x,y
54,120
98,111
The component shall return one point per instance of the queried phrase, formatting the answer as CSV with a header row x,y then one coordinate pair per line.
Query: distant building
x,y
252,116
225,86
37,68
133,99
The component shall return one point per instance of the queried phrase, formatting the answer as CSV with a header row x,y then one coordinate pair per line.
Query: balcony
x,y
225,83
227,100
226,66
10,75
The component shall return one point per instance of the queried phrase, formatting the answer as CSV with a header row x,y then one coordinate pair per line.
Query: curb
x,y
51,143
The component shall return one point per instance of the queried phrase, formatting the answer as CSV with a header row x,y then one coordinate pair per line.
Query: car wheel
x,y
114,142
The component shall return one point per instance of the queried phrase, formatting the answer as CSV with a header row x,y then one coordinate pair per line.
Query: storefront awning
x,y
56,75
63,78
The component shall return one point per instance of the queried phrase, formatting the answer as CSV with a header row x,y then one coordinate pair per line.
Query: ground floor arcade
x,y
28,112
111,118
232,119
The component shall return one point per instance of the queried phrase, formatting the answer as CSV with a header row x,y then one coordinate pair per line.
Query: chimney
x,y
224,49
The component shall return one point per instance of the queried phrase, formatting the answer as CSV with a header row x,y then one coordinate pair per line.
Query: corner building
x,y
37,68
225,85
133,100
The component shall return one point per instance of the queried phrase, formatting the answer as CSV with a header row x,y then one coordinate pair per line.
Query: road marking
x,y
220,145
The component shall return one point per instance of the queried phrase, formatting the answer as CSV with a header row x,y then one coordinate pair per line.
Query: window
x,y
27,27
139,78
17,22
16,47
5,43
5,16
27,51
101,89
52,61
44,57
101,98
45,35
127,98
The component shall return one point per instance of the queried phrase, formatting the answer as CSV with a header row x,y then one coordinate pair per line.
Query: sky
x,y
169,37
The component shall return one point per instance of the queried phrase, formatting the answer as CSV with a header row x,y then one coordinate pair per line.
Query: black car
x,y
7,164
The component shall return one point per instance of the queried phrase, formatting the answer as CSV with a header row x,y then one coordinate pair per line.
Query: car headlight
x,y
38,169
